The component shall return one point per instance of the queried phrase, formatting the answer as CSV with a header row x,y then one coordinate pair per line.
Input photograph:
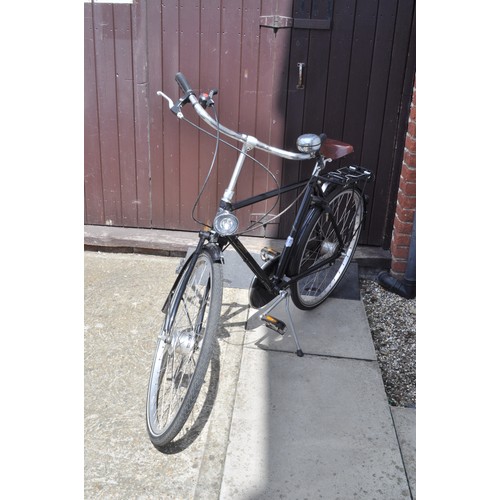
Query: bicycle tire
x,y
184,348
318,240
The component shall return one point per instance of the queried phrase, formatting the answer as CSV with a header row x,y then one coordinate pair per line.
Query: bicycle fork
x,y
276,324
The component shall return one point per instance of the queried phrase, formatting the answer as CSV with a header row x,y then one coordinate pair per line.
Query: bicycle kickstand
x,y
276,324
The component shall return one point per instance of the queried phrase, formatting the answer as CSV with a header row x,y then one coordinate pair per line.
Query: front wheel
x,y
319,240
184,348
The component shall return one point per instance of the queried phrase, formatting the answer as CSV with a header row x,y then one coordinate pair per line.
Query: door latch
x,y
301,66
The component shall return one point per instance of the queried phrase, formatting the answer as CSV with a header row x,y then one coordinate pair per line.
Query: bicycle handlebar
x,y
248,140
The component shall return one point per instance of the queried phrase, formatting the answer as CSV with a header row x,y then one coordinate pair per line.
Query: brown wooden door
x,y
144,169
358,76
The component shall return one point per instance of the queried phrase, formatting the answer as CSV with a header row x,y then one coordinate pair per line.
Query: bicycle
x,y
315,257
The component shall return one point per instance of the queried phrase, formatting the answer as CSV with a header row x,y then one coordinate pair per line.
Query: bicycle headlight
x,y
225,223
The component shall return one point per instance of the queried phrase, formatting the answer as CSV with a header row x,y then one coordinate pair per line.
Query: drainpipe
x,y
407,286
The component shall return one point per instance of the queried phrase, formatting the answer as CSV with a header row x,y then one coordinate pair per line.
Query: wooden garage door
x,y
144,169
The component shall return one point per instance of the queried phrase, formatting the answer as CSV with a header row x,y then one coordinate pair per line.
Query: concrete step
x,y
176,243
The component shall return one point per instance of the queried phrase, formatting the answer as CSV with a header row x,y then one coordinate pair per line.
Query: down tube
x,y
252,263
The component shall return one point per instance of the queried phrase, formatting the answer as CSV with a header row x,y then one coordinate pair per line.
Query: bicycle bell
x,y
308,143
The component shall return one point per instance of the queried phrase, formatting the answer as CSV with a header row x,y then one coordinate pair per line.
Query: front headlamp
x,y
225,222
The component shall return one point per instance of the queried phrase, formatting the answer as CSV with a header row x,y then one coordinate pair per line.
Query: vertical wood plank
x,y
229,86
359,75
125,110
171,125
94,203
317,69
263,110
210,49
108,124
189,60
141,102
338,68
377,96
271,104
248,97
155,72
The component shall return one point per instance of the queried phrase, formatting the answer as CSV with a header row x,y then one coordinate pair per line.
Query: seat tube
x,y
297,223
299,218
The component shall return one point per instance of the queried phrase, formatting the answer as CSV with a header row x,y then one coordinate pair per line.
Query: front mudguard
x,y
216,255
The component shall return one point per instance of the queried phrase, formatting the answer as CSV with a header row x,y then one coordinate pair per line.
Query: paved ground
x,y
123,297
269,424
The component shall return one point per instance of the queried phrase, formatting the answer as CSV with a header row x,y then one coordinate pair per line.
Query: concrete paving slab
x,y
231,337
405,424
311,427
348,288
123,298
336,328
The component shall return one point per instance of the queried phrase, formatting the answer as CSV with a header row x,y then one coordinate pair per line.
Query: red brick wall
x,y
405,209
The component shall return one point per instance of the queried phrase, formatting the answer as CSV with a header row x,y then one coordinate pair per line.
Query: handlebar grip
x,y
183,83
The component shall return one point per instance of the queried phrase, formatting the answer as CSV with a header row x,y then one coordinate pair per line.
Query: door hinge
x,y
277,22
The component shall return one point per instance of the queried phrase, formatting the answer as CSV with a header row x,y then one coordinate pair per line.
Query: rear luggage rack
x,y
349,175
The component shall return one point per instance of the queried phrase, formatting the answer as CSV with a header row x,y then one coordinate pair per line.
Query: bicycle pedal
x,y
274,324
268,253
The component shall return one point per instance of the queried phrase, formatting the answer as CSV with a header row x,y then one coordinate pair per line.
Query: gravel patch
x,y
392,321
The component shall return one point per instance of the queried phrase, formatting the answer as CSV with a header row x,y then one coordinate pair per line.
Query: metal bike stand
x,y
278,325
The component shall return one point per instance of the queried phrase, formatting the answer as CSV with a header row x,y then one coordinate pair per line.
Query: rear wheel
x,y
184,348
319,240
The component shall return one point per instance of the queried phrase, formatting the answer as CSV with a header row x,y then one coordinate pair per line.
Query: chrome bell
x,y
308,143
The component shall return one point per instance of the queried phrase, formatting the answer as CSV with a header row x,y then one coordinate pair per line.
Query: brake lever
x,y
175,108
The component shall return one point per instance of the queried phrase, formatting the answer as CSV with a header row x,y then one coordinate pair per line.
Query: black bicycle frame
x,y
312,193
311,190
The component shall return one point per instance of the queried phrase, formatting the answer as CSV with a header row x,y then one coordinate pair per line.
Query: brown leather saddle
x,y
335,149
